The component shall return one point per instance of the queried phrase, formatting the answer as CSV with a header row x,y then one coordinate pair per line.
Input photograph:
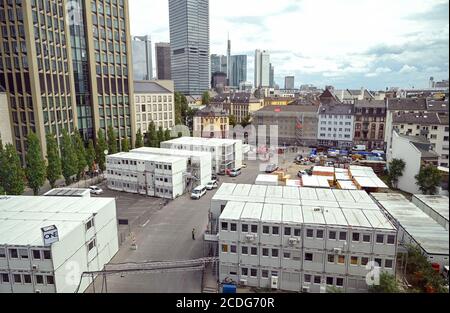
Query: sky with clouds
x,y
344,43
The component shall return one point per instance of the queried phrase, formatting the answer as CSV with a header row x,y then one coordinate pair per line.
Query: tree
x,y
246,121
12,172
167,135
69,158
139,140
206,98
90,155
429,179
181,109
388,284
159,136
80,151
35,171
100,149
232,119
125,145
180,134
112,141
151,136
396,169
54,167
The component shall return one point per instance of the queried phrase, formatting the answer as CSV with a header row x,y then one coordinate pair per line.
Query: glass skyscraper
x,y
189,39
238,70
142,58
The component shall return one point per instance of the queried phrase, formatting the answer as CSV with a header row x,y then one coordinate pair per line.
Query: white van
x,y
198,192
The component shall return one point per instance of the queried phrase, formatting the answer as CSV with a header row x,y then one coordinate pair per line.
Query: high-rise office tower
x,y
229,60
289,82
189,39
66,67
272,76
262,68
218,64
238,70
142,58
163,61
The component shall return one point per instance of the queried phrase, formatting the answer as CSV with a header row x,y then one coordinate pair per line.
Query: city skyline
x,y
374,54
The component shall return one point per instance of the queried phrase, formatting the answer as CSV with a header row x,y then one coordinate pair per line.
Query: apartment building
x,y
336,125
212,122
370,124
297,124
226,153
154,101
431,126
44,239
199,163
241,105
301,239
158,176
62,75
5,121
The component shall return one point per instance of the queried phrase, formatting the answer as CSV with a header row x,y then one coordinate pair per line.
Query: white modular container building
x,y
267,180
153,175
416,227
69,192
199,163
86,240
226,153
436,207
303,244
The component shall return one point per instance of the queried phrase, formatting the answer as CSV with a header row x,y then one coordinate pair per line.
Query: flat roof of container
x,y
361,196
290,192
430,235
147,157
197,141
347,185
292,214
370,182
67,192
272,213
232,211
439,204
264,178
21,218
258,191
324,169
174,152
357,218
343,196
315,181
334,216
342,176
252,211
274,192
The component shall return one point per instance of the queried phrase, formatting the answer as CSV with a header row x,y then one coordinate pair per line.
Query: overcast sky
x,y
344,43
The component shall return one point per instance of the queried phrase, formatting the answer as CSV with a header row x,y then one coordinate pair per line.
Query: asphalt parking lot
x,y
163,233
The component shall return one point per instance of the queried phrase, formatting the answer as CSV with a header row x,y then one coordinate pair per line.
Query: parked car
x,y
214,177
271,168
244,165
235,172
302,173
198,192
96,190
212,185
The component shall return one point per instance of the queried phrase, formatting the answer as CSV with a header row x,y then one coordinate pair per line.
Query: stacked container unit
x,y
152,175
199,163
435,207
87,229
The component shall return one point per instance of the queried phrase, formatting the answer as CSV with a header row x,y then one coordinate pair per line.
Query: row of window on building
x,y
26,279
23,254
143,99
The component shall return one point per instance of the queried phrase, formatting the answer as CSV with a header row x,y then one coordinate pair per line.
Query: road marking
x,y
146,223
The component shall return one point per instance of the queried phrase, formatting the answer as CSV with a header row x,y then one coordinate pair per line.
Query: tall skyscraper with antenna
x,y
229,60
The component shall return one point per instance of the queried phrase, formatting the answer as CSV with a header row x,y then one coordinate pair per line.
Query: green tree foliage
x,y
54,167
69,158
139,140
429,179
12,172
206,98
246,121
80,151
100,148
232,119
36,170
421,274
125,145
90,155
388,284
159,137
180,134
112,141
167,135
151,136
181,109
396,169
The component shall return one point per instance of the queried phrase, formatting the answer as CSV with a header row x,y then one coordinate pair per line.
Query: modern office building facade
x,y
262,69
142,58
66,73
219,63
163,61
238,70
289,82
189,38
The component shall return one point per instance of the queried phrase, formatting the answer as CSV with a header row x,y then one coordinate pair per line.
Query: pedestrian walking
x,y
193,234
